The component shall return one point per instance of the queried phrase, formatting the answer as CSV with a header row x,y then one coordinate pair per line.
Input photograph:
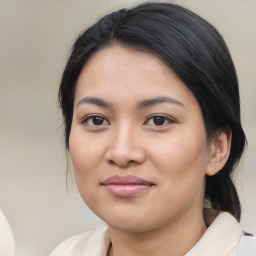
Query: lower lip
x,y
127,190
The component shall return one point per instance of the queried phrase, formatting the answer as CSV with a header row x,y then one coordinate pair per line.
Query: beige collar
x,y
221,237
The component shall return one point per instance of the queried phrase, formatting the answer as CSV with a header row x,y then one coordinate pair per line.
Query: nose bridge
x,y
125,145
123,137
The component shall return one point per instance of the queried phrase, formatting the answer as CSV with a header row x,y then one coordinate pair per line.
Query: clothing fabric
x,y
223,237
6,237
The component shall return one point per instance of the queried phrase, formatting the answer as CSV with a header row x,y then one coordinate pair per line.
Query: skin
x,y
174,154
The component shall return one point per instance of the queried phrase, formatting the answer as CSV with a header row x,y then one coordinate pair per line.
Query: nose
x,y
125,148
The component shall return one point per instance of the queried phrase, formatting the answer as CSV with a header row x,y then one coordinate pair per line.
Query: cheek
x,y
181,165
86,155
182,161
181,149
85,151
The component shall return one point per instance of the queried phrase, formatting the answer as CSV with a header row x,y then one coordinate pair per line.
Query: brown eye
x,y
158,120
95,120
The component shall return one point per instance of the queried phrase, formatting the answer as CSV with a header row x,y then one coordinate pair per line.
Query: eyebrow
x,y
142,104
157,100
97,101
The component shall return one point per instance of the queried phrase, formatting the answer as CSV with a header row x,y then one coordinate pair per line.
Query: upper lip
x,y
125,180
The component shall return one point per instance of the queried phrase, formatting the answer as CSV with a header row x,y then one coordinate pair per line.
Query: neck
x,y
172,239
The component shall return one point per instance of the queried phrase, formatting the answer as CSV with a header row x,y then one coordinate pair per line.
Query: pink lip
x,y
126,186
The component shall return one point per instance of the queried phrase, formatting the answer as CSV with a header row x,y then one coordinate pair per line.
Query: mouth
x,y
126,186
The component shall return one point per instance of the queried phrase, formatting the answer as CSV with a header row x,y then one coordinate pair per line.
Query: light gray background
x,y
35,37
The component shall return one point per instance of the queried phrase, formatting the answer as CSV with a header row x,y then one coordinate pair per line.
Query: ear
x,y
219,150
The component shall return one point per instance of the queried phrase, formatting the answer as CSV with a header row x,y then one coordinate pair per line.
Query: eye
x,y
95,120
158,120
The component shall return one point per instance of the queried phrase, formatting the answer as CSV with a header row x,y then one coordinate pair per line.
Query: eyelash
x,y
90,117
167,120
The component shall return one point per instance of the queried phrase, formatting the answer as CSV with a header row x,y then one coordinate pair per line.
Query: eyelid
x,y
90,116
167,118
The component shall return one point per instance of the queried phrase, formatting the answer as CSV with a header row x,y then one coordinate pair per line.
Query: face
x,y
137,143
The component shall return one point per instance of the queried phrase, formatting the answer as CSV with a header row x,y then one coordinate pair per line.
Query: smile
x,y
126,186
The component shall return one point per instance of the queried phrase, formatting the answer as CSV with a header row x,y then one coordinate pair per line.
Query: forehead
x,y
129,74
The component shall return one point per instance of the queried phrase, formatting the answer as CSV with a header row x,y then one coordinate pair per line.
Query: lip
x,y
126,186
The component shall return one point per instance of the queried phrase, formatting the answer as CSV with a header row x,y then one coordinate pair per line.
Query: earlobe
x,y
219,151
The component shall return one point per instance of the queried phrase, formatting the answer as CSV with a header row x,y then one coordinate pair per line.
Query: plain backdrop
x,y
35,38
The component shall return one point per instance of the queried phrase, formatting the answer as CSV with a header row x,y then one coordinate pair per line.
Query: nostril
x,y
111,162
122,164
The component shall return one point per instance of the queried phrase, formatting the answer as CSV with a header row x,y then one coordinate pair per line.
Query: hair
x,y
196,52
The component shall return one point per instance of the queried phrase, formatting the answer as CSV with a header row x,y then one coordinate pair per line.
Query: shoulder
x,y
93,241
247,245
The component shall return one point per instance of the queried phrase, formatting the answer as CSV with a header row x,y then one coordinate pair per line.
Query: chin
x,y
130,227
129,221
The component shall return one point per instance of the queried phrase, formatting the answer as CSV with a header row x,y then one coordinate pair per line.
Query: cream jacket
x,y
6,237
223,237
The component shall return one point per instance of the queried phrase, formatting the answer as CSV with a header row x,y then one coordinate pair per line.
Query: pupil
x,y
97,120
159,120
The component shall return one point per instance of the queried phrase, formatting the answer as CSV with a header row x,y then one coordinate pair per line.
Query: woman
x,y
152,122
